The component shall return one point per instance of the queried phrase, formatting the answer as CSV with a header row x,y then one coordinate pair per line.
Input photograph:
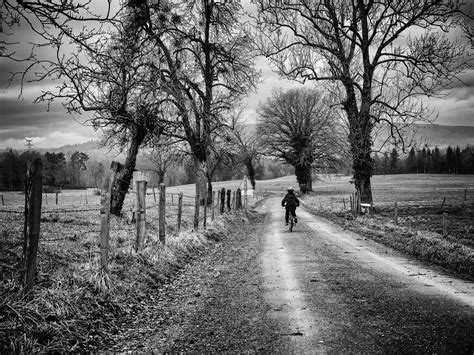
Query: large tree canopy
x,y
300,128
381,56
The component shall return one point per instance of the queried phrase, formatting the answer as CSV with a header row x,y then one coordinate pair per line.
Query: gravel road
x,y
318,289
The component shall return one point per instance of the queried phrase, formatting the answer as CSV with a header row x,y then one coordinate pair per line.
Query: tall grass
x,y
74,307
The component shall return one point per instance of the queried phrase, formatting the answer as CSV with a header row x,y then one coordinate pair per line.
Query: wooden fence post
x,y
140,212
3,201
105,223
33,192
229,192
162,214
222,200
351,203
213,204
245,192
57,197
204,223
238,203
344,203
180,209
196,212
359,201
396,213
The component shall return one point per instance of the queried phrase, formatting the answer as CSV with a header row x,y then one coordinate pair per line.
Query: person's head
x,y
291,189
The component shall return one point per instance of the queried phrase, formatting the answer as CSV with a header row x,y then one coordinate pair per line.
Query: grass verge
x,y
73,307
424,245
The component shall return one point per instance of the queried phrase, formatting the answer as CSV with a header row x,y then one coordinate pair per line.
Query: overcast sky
x,y
20,119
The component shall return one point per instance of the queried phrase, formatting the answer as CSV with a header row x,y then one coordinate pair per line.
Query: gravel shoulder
x,y
215,304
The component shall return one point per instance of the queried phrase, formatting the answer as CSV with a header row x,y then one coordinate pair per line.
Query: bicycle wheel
x,y
291,223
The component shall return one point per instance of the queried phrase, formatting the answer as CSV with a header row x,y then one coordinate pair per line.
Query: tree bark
x,y
200,168
123,177
360,129
250,171
209,189
304,177
161,177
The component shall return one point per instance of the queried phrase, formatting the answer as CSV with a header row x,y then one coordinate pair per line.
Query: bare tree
x,y
245,144
52,24
382,55
113,78
104,69
298,127
207,67
164,155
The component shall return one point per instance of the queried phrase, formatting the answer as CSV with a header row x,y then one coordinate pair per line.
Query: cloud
x,y
51,140
457,109
22,118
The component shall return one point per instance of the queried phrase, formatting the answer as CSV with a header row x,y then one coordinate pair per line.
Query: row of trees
x,y
158,74
427,161
58,170
78,170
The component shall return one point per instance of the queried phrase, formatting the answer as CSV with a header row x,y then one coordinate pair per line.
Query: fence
x,y
447,212
84,217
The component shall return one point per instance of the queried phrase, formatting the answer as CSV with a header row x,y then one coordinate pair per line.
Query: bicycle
x,y
291,222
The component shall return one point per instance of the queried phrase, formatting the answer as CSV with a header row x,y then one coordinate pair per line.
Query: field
x,y
424,203
419,200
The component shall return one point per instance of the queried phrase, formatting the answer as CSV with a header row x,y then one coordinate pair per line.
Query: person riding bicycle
x,y
290,201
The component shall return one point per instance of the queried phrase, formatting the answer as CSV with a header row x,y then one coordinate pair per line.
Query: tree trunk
x,y
209,189
304,177
123,177
360,138
250,171
361,147
161,177
200,168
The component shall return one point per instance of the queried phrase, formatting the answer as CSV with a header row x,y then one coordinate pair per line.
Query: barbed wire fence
x,y
148,216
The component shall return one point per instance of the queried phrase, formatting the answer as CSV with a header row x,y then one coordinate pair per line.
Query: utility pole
x,y
29,143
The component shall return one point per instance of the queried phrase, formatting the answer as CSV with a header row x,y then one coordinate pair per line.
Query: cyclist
x,y
290,201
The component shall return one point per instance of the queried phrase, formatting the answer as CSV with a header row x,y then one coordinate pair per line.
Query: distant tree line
x,y
77,170
58,170
451,160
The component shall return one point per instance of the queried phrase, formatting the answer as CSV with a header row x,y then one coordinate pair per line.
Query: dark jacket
x,y
290,200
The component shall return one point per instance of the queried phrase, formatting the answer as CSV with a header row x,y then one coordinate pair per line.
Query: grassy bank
x,y
422,244
423,201
74,307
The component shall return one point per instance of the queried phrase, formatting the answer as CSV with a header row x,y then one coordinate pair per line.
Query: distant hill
x,y
429,134
442,136
91,148
433,135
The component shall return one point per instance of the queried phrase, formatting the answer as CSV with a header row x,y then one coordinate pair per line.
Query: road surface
x,y
319,289
333,291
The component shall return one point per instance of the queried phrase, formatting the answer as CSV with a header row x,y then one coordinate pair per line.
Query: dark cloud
x,y
20,119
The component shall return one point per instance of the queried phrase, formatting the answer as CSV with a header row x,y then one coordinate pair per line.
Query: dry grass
x,y
419,231
74,307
